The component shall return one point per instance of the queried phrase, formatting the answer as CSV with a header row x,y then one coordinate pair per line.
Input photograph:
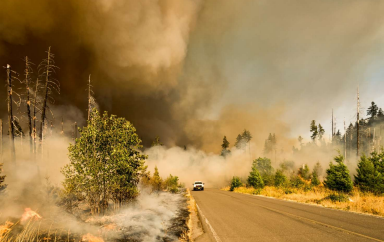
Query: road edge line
x,y
204,219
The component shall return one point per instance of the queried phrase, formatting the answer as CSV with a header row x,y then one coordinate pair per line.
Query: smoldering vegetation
x,y
33,209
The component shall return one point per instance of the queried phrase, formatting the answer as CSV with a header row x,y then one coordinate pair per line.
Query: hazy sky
x,y
193,71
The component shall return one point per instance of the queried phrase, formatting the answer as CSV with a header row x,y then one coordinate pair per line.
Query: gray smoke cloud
x,y
175,68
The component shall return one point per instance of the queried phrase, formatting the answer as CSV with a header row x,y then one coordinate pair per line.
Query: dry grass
x,y
358,201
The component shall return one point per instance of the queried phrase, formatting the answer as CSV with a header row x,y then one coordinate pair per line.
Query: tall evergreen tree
x,y
370,173
313,129
239,142
320,132
225,145
372,110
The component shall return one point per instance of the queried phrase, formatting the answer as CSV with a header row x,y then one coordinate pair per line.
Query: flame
x,y
29,214
4,229
91,238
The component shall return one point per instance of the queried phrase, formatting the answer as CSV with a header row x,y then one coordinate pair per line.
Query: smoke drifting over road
x,y
184,70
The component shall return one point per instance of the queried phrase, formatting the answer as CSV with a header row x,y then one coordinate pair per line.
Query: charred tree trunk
x,y
10,114
34,117
44,107
28,101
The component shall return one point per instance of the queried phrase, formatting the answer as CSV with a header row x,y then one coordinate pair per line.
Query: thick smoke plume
x,y
168,65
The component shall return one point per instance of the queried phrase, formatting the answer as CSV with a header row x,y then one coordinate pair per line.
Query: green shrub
x,y
172,183
254,179
264,166
296,181
304,172
257,191
315,179
280,178
236,182
338,178
370,173
338,197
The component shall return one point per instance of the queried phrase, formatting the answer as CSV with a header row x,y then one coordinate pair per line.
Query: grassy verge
x,y
356,201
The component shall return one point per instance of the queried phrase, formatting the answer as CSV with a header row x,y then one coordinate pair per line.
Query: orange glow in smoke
x,y
91,238
30,214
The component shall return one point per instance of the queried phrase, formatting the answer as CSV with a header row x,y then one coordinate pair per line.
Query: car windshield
x,y
198,183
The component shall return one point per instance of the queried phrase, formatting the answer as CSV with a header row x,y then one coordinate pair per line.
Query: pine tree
x,y
224,147
372,110
254,179
317,170
338,178
313,129
156,181
239,141
320,132
370,173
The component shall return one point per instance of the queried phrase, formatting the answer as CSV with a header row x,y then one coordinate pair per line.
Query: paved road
x,y
239,217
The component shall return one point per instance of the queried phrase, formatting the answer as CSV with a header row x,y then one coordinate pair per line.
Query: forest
x,y
355,176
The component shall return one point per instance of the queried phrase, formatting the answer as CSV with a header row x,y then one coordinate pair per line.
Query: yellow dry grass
x,y
358,202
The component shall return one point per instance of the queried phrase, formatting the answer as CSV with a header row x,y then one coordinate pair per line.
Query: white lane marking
x,y
209,225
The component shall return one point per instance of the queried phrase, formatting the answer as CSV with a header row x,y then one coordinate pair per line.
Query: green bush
x,y
172,183
236,182
257,191
338,178
338,197
370,173
254,179
264,166
315,179
296,181
304,172
280,178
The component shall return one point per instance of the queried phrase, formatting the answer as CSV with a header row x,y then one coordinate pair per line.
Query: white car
x,y
198,185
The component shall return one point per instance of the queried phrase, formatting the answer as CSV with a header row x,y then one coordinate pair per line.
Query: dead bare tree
x,y
34,116
27,82
91,99
10,114
47,68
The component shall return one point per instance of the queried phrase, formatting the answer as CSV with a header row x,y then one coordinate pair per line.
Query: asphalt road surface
x,y
228,216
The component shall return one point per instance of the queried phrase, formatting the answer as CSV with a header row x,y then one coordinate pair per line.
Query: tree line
x,y
369,175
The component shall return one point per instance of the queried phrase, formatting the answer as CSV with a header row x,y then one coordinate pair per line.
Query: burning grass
x,y
152,217
356,201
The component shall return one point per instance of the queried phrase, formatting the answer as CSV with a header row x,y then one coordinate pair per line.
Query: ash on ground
x,y
158,216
